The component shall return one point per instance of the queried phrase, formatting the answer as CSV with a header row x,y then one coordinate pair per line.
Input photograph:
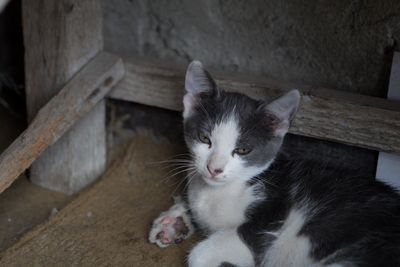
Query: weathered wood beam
x,y
60,37
83,92
352,119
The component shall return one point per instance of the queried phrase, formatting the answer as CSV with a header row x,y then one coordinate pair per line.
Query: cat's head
x,y
231,136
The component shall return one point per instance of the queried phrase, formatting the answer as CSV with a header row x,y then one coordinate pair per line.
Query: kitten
x,y
259,208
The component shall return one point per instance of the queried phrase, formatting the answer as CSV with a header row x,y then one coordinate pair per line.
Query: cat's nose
x,y
214,172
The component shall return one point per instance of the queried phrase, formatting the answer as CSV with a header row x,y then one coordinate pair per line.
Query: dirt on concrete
x,y
108,224
23,206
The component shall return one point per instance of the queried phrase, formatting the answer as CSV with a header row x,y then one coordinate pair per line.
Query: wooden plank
x,y
352,119
85,90
60,38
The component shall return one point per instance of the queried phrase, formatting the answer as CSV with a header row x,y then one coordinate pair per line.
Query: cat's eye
x,y
204,139
241,151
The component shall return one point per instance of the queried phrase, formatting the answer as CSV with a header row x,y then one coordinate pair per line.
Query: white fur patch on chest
x,y
220,207
289,249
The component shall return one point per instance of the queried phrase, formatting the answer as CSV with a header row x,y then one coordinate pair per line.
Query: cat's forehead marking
x,y
225,134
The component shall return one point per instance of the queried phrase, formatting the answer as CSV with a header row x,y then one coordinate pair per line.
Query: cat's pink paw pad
x,y
170,230
180,226
163,237
166,220
171,227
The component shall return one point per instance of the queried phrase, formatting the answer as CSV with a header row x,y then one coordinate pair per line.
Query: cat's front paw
x,y
172,226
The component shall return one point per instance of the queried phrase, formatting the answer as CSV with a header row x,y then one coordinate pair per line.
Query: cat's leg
x,y
172,226
223,248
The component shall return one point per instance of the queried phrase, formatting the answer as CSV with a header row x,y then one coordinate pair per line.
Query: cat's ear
x,y
198,82
283,110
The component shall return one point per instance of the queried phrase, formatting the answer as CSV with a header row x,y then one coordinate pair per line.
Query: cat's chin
x,y
212,182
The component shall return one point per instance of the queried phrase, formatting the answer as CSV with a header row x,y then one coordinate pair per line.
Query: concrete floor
x,y
23,206
108,223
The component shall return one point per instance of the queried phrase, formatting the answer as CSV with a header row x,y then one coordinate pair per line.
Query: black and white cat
x,y
256,214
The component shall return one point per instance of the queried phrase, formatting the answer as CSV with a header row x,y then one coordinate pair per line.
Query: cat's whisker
x,y
173,159
179,168
169,167
190,179
182,154
174,165
177,187
178,172
168,161
189,176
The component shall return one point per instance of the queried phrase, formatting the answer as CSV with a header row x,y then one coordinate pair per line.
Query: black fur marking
x,y
348,218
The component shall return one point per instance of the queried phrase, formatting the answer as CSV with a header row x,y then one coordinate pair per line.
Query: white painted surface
x,y
388,169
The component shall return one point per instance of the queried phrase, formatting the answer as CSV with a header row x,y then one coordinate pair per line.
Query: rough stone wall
x,y
342,44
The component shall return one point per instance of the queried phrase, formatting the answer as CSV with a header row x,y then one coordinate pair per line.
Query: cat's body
x,y
330,216
259,208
